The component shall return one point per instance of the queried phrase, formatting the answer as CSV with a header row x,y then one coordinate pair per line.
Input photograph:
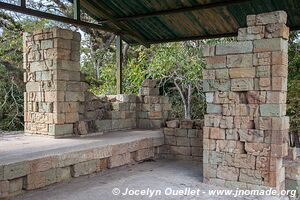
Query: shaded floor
x,y
158,175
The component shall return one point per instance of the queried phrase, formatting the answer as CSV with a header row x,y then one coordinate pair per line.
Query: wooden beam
x,y
76,9
133,34
67,20
178,10
22,3
119,68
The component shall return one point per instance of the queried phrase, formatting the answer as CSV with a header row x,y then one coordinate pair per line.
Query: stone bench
x,y
31,162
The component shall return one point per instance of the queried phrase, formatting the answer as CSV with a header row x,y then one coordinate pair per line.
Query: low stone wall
x,y
183,140
124,111
17,177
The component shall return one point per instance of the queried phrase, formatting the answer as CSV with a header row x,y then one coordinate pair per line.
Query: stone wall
x,y
183,140
246,130
57,103
53,84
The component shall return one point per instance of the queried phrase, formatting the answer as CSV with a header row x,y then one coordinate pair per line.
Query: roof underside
x,y
155,21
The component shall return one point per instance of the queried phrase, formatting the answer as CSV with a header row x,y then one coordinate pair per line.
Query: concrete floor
x,y
157,175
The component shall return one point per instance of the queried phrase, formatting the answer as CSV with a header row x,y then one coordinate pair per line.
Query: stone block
x,y
242,73
240,60
271,18
188,124
216,62
279,58
263,84
244,161
193,133
84,168
16,170
277,30
62,33
258,149
15,186
269,110
280,70
250,176
279,83
196,142
263,71
181,132
292,154
229,146
244,84
74,96
144,154
269,45
196,151
4,189
209,144
43,164
222,85
119,160
209,97
222,74
234,48
169,131
228,173
231,134
217,133
251,20
208,50
63,174
40,179
183,141
102,165
279,150
213,109
60,129
173,124
209,74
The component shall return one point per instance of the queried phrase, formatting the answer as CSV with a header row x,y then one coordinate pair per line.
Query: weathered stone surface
x,y
208,50
271,18
119,160
216,85
16,170
229,146
242,73
181,150
250,176
228,173
40,179
183,141
245,84
144,154
4,189
188,124
84,168
234,48
258,149
173,124
239,60
216,62
244,161
217,133
273,44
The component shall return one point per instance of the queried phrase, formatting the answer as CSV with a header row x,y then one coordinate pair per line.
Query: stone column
x,y
52,77
246,130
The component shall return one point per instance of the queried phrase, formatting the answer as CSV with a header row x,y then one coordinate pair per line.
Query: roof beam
x,y
36,13
178,10
133,34
194,38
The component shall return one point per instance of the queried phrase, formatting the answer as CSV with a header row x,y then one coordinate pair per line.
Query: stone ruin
x,y
246,127
245,131
57,101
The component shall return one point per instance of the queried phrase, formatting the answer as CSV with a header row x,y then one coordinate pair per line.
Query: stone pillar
x,y
246,130
52,77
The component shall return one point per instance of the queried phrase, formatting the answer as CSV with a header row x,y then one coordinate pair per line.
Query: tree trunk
x,y
185,101
188,110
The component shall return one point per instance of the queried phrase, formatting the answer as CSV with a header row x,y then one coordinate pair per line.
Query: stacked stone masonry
x,y
30,174
57,102
245,131
183,140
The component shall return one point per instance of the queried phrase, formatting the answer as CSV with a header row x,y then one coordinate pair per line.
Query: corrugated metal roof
x,y
217,17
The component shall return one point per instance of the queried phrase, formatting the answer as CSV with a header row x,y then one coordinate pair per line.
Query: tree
x,y
180,64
